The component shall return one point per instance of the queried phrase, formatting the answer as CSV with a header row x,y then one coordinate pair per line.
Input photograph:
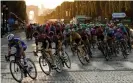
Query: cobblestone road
x,y
117,70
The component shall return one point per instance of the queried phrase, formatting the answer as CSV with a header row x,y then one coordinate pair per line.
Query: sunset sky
x,y
46,3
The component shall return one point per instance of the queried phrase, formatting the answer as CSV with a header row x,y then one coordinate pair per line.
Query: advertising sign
x,y
118,15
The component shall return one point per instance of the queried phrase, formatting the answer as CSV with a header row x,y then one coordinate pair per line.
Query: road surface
x,y
117,70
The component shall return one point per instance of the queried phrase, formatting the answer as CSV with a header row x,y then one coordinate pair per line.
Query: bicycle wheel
x,y
88,52
106,52
123,51
81,55
72,49
114,49
87,55
17,69
58,64
67,60
45,65
31,70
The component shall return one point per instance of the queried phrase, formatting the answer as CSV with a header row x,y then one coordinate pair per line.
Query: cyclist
x,y
93,35
119,35
85,38
19,45
58,40
52,28
46,46
110,34
58,29
75,37
66,34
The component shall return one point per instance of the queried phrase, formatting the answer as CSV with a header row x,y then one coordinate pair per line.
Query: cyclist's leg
x,y
18,56
24,56
89,47
36,42
49,53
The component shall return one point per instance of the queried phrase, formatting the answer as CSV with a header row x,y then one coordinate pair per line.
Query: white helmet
x,y
10,37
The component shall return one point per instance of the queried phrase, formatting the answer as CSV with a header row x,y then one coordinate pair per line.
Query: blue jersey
x,y
110,32
17,43
119,35
123,28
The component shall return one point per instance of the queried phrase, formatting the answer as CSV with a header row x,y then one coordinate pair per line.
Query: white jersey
x,y
88,31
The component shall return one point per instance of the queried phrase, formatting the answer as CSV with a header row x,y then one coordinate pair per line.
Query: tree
x,y
93,8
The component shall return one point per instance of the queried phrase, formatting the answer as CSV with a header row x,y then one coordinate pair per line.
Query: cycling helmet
x,y
10,37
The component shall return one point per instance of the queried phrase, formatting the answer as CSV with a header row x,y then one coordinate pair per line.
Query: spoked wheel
x,y
87,55
129,48
67,60
124,52
115,51
31,70
81,55
45,65
106,56
16,71
88,52
58,64
72,49
106,52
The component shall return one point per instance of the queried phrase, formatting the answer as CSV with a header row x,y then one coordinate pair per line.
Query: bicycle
x,y
44,60
104,48
81,52
113,47
123,48
21,68
64,57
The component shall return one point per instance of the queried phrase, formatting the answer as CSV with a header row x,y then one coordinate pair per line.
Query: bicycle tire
x,y
33,77
46,60
84,60
68,59
72,49
18,80
60,66
123,51
106,53
88,51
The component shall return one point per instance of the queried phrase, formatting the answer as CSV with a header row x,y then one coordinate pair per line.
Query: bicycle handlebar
x,y
7,58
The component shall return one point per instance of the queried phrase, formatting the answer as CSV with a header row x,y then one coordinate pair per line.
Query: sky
x,y
46,3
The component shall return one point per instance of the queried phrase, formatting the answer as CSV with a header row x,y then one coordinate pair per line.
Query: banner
x,y
118,15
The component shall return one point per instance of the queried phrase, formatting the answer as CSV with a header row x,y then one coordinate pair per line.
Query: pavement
x,y
117,70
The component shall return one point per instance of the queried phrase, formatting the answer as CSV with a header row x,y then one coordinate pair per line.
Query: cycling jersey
x,y
99,31
53,29
17,43
84,35
110,32
46,42
74,36
93,31
123,29
39,38
119,35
